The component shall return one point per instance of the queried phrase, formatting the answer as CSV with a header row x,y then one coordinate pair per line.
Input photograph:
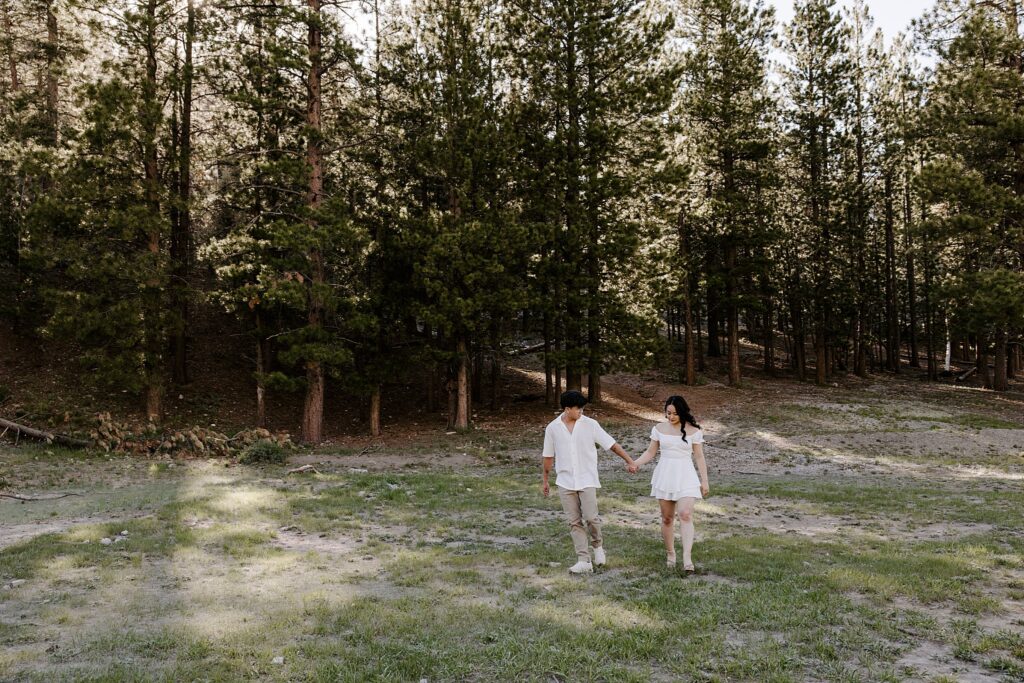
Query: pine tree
x,y
728,104
974,183
461,240
182,242
38,39
289,252
816,83
596,67
102,227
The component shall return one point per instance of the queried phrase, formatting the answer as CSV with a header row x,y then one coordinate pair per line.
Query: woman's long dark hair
x,y
683,411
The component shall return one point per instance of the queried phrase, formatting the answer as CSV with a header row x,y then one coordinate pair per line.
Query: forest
x,y
373,194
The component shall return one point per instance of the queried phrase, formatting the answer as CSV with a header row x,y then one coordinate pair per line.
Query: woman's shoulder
x,y
692,431
663,427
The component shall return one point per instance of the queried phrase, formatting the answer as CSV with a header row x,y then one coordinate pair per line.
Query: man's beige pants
x,y
581,508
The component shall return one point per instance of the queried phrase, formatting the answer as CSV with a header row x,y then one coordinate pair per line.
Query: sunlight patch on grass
x,y
245,501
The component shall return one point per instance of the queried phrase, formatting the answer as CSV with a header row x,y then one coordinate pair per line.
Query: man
x,y
569,445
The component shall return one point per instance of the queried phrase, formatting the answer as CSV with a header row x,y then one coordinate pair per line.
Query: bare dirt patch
x,y
787,517
16,533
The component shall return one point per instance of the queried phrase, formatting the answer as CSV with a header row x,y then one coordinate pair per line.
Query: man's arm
x,y
605,440
549,459
617,450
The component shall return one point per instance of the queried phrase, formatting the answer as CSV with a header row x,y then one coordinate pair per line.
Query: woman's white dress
x,y
675,476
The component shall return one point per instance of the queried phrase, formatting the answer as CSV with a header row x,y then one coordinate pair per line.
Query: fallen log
x,y
967,374
304,468
528,349
48,437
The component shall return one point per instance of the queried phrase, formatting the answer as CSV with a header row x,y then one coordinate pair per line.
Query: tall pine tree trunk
x,y
549,389
462,384
860,360
714,330
12,59
915,362
572,208
181,239
700,340
594,380
769,326
929,321
313,410
593,337
52,49
433,402
594,312
153,342
981,361
377,284
892,347
375,429
684,257
1000,381
495,365
929,307
799,336
860,355
261,372
477,376
560,349
732,311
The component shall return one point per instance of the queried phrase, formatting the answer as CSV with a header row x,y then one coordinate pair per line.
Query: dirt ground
x,y
882,432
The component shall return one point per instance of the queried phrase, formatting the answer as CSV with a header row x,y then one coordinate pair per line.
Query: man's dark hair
x,y
573,399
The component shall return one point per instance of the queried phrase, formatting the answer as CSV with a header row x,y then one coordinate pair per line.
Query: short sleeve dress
x,y
675,476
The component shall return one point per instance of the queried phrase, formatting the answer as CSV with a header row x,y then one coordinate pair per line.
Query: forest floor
x,y
869,531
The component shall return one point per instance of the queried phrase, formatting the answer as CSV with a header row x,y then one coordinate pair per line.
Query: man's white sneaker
x,y
581,567
599,558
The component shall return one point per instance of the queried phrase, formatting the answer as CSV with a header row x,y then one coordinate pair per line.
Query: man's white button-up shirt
x,y
575,452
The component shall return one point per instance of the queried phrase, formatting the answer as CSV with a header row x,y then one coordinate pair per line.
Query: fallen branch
x,y
43,436
371,447
15,496
967,374
304,468
528,349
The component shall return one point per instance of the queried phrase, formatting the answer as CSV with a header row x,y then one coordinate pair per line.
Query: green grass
x,y
460,574
445,601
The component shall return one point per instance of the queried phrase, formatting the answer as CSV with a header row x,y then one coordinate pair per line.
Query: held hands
x,y
632,467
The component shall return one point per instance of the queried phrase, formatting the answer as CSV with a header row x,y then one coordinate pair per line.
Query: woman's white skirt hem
x,y
662,494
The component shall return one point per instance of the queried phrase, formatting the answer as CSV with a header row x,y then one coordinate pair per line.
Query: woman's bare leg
x,y
668,518
686,532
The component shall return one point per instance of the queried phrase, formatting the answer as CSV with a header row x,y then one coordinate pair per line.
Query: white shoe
x,y
599,557
582,567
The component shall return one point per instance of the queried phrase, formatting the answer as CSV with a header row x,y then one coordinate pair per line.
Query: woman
x,y
675,482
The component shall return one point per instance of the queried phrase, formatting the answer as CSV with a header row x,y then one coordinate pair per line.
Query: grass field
x,y
858,539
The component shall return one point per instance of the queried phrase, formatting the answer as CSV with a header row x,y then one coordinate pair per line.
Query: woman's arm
x,y
648,454
702,468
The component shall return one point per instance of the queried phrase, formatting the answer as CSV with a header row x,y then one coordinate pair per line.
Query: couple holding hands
x,y
569,446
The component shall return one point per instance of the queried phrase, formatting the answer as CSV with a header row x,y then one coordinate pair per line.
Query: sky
x,y
892,16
